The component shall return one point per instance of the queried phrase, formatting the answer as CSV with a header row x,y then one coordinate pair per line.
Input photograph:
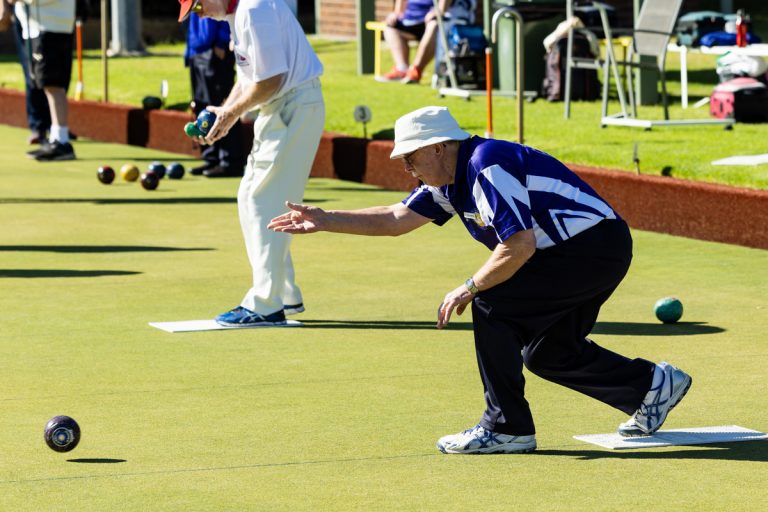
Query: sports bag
x,y
743,99
693,26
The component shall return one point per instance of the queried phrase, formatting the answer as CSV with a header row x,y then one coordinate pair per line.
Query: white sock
x,y
403,68
59,133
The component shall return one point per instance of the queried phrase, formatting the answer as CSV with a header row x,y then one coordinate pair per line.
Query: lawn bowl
x,y
149,180
129,172
62,433
668,310
205,121
175,171
157,168
106,174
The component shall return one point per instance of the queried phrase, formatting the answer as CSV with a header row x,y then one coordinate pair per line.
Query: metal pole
x,y
488,93
444,41
519,74
508,11
80,87
568,60
104,74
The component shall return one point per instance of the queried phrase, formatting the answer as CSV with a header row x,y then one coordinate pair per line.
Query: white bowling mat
x,y
209,325
676,437
743,160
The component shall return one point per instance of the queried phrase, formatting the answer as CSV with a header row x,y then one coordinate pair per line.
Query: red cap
x,y
186,8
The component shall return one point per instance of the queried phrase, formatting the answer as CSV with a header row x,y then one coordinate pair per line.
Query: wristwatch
x,y
470,284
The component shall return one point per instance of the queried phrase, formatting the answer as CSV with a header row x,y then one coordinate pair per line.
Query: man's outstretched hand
x,y
300,220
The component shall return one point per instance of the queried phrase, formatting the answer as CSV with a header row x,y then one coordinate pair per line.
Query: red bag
x,y
743,99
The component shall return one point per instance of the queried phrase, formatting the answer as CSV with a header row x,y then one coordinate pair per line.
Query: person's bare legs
x,y
398,45
426,50
57,104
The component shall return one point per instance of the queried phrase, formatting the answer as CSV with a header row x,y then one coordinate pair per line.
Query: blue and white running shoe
x,y
661,399
479,440
242,317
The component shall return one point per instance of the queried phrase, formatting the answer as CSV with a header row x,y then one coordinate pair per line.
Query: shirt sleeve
x,y
502,201
265,48
431,203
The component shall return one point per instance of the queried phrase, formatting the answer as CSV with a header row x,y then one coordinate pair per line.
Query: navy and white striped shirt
x,y
502,188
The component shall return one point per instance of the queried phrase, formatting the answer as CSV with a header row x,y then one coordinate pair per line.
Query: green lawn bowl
x,y
191,130
668,310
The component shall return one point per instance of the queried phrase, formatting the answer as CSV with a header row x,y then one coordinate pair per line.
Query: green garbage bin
x,y
540,18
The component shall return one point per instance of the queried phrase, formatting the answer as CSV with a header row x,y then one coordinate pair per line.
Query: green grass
x,y
343,413
687,151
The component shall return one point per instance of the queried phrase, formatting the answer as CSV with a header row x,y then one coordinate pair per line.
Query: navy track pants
x,y
541,318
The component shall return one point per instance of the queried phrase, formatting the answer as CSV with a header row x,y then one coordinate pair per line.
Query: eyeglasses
x,y
408,159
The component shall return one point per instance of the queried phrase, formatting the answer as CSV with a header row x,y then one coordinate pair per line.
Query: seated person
x,y
415,20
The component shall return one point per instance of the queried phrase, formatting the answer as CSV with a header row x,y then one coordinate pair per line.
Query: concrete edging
x,y
692,209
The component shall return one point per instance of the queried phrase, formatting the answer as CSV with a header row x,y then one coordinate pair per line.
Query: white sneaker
x,y
479,440
661,399
294,309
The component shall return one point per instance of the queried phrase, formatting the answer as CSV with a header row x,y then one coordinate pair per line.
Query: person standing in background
x,y
212,71
38,115
278,74
48,28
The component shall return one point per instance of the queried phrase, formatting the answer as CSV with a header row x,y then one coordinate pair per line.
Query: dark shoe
x,y
55,152
198,171
44,145
220,172
72,136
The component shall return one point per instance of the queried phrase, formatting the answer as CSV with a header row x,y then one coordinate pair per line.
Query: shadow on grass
x,y
654,329
134,159
152,200
753,451
95,248
97,461
27,273
382,324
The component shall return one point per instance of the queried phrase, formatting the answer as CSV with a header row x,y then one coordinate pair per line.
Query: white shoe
x,y
294,309
661,399
479,440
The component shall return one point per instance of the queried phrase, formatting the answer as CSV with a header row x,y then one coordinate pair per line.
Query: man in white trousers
x,y
277,73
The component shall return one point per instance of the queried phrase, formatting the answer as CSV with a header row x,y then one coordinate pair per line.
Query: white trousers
x,y
285,139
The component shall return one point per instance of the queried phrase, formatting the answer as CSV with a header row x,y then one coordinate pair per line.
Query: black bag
x,y
692,26
743,99
584,82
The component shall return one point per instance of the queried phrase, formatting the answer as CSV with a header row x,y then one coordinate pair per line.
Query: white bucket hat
x,y
424,127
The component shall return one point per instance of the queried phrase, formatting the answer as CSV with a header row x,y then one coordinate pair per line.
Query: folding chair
x,y
650,37
597,63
